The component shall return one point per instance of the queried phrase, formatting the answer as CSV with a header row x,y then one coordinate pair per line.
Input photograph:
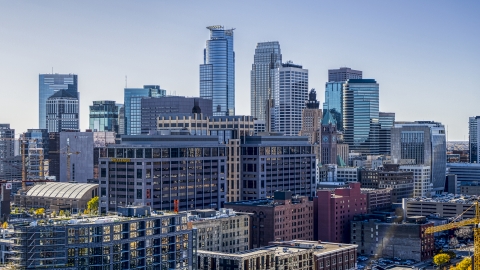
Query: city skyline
x,y
423,57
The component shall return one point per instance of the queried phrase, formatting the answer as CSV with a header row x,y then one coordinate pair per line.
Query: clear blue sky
x,y
424,54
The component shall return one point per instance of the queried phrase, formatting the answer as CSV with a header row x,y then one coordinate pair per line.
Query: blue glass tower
x,y
217,73
49,84
132,106
334,102
361,116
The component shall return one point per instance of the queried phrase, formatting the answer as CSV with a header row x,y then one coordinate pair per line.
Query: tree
x,y
61,213
67,213
54,214
464,232
39,211
450,253
31,211
92,205
5,225
441,259
465,264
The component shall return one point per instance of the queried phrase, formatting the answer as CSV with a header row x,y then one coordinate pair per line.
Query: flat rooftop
x,y
448,198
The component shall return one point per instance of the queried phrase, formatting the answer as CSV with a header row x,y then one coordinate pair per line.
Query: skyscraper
x,y
217,73
132,103
104,116
386,121
334,92
311,118
473,138
267,58
49,84
424,143
62,112
7,143
290,93
361,115
343,74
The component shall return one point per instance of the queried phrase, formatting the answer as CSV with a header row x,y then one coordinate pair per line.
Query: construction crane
x,y
68,153
476,231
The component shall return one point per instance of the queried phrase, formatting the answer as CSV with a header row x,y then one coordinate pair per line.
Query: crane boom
x,y
449,226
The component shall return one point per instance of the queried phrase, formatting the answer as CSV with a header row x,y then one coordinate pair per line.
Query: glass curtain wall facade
x,y
387,120
217,73
48,85
104,116
132,103
333,102
267,58
361,115
290,93
473,138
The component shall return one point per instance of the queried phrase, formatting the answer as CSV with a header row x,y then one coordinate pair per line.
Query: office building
x,y
473,136
7,153
78,148
223,231
121,119
330,221
228,129
152,108
283,217
266,60
48,85
453,186
152,241
104,116
422,185
217,73
156,170
334,102
376,235
295,254
343,74
329,140
290,93
424,143
378,199
337,173
361,115
62,111
445,205
271,163
386,120
132,106
389,176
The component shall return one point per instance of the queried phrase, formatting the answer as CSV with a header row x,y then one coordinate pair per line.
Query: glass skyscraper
x,y
361,115
132,104
473,138
217,73
290,93
104,116
334,102
49,84
386,120
266,60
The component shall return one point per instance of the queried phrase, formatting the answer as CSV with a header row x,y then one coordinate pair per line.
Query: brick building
x,y
333,212
378,199
282,218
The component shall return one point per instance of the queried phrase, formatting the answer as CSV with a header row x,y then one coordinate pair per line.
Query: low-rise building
x,y
57,196
296,254
446,206
422,184
153,241
285,217
224,231
376,236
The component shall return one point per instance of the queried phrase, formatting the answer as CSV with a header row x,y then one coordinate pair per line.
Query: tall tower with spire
x,y
311,118
329,139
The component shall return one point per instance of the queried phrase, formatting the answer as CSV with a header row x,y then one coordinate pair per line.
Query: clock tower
x,y
329,139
